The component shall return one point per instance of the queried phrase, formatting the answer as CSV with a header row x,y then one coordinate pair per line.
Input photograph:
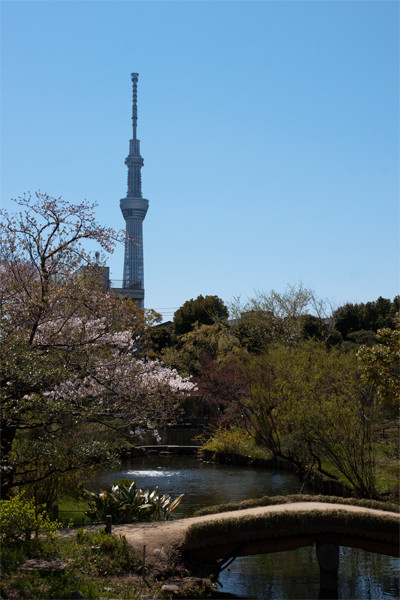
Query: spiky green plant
x,y
129,504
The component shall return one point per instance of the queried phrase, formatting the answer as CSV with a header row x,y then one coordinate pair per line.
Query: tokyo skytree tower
x,y
134,208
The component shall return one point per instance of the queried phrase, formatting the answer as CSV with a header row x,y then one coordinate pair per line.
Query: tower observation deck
x,y
134,208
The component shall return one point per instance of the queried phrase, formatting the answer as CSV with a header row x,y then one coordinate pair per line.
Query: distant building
x,y
134,208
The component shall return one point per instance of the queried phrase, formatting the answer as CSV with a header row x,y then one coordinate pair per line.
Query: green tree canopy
x,y
213,341
380,367
273,316
204,310
368,316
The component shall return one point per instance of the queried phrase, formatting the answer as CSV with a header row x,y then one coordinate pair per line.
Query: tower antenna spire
x,y
134,77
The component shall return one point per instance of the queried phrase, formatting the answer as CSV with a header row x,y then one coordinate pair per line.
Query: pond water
x,y
279,576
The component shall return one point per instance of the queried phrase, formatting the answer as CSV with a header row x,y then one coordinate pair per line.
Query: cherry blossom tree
x,y
70,348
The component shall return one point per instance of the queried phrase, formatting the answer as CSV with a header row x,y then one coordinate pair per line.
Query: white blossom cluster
x,y
126,377
85,331
118,383
154,373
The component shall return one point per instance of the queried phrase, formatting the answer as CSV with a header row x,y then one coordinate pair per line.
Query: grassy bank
x,y
86,565
71,511
93,565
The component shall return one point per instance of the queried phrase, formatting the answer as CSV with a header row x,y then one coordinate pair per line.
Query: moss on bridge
x,y
273,500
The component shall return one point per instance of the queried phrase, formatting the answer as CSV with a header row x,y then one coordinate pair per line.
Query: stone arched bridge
x,y
219,538
270,529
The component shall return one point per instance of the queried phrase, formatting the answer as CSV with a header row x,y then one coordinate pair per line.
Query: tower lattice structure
x,y
134,208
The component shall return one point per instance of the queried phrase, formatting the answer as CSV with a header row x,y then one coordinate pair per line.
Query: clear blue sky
x,y
269,131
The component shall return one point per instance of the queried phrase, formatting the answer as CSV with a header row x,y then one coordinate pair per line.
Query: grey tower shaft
x,y
134,208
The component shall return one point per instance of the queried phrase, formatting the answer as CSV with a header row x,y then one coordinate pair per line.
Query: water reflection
x,y
290,575
279,576
294,575
368,575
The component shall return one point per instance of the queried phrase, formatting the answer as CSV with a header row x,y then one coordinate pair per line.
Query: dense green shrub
x,y
233,439
19,519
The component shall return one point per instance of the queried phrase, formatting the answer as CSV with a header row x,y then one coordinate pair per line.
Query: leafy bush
x,y
19,518
127,504
232,439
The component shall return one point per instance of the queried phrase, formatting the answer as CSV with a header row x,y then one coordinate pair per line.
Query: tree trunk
x,y
7,434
